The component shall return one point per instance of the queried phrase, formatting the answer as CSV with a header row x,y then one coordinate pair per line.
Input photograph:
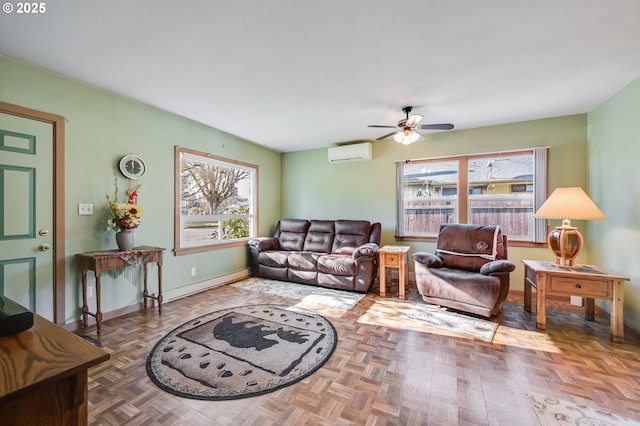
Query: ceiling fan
x,y
405,132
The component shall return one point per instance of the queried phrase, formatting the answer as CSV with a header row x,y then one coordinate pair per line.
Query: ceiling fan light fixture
x,y
405,133
407,137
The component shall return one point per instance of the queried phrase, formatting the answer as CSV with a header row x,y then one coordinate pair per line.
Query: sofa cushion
x,y
305,277
274,258
303,260
349,235
341,282
273,273
291,234
469,247
319,236
336,264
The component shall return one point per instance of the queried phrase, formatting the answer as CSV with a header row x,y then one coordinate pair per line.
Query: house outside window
x,y
216,201
486,189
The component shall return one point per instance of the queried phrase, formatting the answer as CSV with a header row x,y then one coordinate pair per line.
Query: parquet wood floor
x,y
382,373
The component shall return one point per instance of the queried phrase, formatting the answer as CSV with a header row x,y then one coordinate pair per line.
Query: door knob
x,y
44,247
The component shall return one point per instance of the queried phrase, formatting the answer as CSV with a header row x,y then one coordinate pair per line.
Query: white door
x,y
26,213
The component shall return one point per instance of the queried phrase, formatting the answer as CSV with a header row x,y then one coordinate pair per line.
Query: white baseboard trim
x,y
199,286
167,296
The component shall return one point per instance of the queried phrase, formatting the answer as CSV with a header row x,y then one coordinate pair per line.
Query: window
x,y
216,201
504,189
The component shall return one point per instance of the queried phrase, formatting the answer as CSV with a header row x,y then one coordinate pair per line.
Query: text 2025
x,y
31,7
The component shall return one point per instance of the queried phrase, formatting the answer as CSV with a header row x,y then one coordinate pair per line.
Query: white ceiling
x,y
301,74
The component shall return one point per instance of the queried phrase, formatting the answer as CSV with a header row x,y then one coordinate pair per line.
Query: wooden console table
x,y
394,257
44,376
99,261
587,281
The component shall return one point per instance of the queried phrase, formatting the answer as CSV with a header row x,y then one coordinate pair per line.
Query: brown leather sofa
x,y
340,254
469,270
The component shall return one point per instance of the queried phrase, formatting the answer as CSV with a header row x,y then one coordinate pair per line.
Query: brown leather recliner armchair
x,y
469,270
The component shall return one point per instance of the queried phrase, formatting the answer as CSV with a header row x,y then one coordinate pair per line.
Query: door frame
x,y
58,123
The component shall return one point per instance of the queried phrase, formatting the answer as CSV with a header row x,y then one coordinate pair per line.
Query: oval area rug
x,y
241,352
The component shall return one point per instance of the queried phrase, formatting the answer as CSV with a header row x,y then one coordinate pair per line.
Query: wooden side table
x,y
99,261
588,281
44,376
394,257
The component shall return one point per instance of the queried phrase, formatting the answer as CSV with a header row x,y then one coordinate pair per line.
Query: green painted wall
x,y
614,150
594,151
314,188
102,128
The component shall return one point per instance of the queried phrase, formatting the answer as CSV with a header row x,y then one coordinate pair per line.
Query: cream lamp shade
x,y
567,204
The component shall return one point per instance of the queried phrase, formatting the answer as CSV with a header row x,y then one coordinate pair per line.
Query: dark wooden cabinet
x,y
44,376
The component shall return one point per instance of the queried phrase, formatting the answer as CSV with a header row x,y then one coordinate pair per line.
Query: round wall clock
x,y
132,167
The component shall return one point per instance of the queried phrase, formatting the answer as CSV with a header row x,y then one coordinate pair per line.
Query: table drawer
x,y
392,259
601,289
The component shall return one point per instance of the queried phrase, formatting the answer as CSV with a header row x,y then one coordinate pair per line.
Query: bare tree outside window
x,y
215,184
217,199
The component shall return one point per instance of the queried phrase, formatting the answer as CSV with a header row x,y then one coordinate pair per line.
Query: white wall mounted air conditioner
x,y
353,152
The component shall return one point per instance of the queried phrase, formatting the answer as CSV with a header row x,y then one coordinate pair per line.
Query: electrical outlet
x,y
193,271
89,291
85,209
576,300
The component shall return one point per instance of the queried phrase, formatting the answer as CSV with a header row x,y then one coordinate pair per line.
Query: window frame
x,y
540,179
180,248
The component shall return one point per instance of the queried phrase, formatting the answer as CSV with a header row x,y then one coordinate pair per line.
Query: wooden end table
x,y
394,257
99,261
588,281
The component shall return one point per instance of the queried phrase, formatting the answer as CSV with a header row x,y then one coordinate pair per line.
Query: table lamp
x,y
567,203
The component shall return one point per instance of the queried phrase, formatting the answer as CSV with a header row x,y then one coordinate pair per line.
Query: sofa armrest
x,y
497,266
428,259
368,249
265,243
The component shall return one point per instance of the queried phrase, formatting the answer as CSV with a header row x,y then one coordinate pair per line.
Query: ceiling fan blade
x,y
384,127
387,135
446,126
413,120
